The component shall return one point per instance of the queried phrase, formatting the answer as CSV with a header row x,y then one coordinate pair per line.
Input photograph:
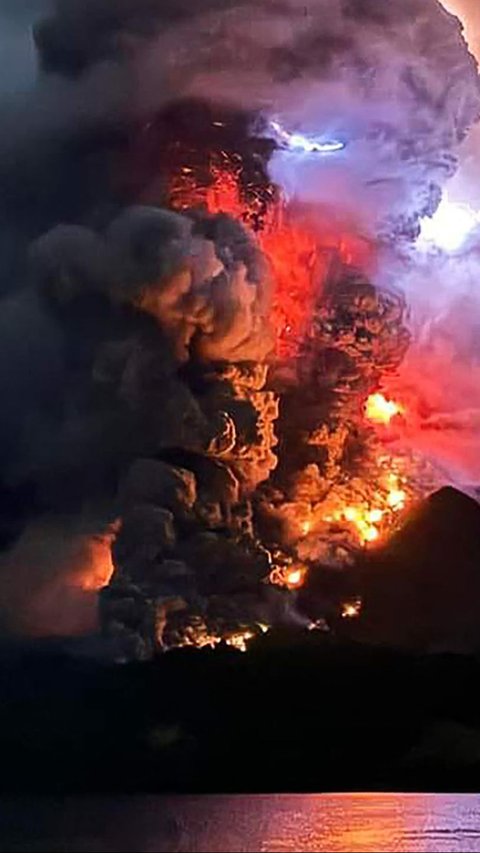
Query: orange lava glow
x,y
289,576
351,609
363,519
96,566
396,499
240,640
298,270
201,638
361,512
295,578
379,409
371,519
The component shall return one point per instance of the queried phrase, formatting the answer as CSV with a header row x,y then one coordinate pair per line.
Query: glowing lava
x,y
380,409
295,578
240,640
396,499
364,521
351,609
371,510
200,637
95,569
288,576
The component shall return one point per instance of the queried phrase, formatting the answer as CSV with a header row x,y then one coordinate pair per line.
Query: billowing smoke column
x,y
438,380
228,322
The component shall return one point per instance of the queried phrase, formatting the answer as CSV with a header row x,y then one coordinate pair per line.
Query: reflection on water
x,y
271,824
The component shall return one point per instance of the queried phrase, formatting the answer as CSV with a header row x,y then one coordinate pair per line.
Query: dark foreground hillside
x,y
295,713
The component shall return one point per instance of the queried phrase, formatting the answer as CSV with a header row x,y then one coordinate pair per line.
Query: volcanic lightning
x,y
449,228
306,144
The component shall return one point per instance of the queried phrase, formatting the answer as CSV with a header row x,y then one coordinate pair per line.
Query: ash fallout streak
x,y
234,353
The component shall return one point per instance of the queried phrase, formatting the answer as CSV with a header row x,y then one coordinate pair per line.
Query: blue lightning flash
x,y
298,142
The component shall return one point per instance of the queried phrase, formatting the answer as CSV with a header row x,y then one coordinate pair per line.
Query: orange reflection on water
x,y
368,823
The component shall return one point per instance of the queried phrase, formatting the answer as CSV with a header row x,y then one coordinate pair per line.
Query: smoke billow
x,y
208,295
128,306
464,186
139,340
438,379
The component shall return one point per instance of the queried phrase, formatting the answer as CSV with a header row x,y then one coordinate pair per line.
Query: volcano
x,y
421,590
228,311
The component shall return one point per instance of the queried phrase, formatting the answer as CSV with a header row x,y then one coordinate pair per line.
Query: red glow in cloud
x,y
382,410
301,249
441,395
299,242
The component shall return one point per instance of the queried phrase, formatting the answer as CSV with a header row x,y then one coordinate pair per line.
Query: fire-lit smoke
x,y
438,381
178,284
50,579
439,378
252,345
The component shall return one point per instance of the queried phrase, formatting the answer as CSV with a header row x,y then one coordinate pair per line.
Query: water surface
x,y
271,824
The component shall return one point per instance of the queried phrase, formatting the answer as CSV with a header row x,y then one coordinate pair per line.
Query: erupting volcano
x,y
313,470
243,316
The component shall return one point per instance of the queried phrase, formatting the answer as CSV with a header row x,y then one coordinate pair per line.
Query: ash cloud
x,y
439,379
440,376
465,186
111,330
397,85
209,294
109,319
